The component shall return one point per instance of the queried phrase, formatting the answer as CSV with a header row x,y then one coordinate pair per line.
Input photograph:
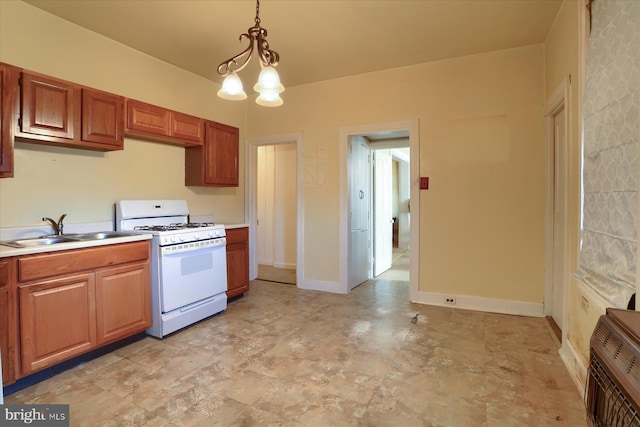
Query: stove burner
x,y
175,226
199,224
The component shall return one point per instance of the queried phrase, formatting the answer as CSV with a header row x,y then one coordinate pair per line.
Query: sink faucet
x,y
57,226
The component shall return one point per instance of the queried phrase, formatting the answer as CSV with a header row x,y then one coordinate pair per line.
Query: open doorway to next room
x,y
379,193
276,213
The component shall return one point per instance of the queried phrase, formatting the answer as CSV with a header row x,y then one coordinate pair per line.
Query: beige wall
x,y
481,143
50,181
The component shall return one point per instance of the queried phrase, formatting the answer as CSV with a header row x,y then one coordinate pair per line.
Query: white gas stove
x,y
188,262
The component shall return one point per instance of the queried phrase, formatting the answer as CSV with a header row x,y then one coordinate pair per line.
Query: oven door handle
x,y
219,244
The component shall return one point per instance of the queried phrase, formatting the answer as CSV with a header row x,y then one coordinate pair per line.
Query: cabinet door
x,y
147,119
65,305
8,78
123,301
187,128
4,335
7,325
49,107
103,118
221,155
237,261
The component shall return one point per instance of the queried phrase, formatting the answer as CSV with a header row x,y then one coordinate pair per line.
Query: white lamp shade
x,y
269,98
232,88
268,80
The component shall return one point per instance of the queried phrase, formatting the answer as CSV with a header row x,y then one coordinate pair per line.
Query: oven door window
x,y
189,277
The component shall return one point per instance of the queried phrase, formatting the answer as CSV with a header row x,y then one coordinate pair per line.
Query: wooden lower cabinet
x,y
7,321
123,307
237,261
57,320
71,302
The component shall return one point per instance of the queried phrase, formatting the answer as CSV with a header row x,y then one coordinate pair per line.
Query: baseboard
x,y
490,305
577,370
320,285
285,265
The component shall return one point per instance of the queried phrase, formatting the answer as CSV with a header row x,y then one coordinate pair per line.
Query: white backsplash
x,y
201,218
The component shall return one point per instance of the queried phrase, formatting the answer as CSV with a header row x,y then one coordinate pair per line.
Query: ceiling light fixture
x,y
268,85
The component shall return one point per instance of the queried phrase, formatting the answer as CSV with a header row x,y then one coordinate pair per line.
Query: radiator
x,y
612,392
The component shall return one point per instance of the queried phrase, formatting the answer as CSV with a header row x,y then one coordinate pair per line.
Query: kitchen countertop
x,y
230,226
7,251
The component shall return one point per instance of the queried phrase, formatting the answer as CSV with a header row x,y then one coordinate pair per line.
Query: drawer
x,y
34,267
237,235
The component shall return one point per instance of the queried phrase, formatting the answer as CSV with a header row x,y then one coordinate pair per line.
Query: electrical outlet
x,y
450,300
584,303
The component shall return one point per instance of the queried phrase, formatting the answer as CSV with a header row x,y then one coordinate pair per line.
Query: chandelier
x,y
268,85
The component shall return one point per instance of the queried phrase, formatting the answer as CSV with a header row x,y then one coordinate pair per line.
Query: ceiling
x,y
316,39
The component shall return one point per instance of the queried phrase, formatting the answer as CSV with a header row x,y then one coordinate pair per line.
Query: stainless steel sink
x,y
100,235
52,240
38,241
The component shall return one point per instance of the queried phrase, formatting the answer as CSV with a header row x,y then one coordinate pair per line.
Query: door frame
x,y
414,229
560,99
251,198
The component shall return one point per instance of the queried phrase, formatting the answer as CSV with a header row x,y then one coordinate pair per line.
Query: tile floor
x,y
280,356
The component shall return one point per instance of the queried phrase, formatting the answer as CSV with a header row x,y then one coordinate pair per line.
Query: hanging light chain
x,y
257,20
257,35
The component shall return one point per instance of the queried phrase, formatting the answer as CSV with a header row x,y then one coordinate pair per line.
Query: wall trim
x,y
489,305
250,214
558,156
287,265
577,370
321,285
414,173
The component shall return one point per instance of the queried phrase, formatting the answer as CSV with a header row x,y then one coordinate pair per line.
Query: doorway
x,y
276,209
386,138
557,119
274,201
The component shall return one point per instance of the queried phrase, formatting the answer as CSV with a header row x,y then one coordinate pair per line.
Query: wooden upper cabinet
x,y
57,112
187,128
162,125
8,84
49,107
145,118
102,118
216,163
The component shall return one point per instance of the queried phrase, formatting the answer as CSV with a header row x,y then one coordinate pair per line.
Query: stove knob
x,y
181,238
173,239
196,236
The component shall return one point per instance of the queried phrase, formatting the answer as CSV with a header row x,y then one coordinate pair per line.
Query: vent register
x,y
612,394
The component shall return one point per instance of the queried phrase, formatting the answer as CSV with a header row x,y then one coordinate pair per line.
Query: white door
x,y
557,278
360,206
383,213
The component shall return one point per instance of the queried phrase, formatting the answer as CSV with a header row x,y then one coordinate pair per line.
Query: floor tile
x,y
281,356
